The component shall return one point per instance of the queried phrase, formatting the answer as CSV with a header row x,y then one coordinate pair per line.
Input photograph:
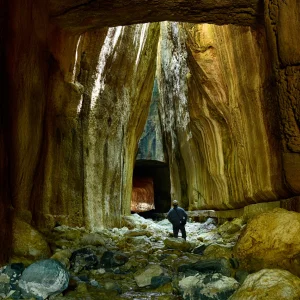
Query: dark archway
x,y
160,174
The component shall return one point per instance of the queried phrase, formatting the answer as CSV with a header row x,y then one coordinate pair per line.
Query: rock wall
x,y
282,24
23,46
228,150
96,110
5,196
171,73
116,115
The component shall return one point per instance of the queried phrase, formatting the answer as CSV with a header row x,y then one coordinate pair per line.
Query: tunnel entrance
x,y
151,188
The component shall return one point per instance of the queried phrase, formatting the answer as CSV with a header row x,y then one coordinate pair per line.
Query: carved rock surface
x,y
96,112
271,240
221,132
77,15
142,195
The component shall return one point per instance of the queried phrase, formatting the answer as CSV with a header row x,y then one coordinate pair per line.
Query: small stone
x,y
209,266
177,243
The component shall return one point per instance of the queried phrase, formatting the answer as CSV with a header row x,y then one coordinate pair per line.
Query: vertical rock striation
x,y
115,117
96,111
223,139
172,71
230,93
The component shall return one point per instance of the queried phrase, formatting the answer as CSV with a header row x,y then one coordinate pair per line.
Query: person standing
x,y
178,217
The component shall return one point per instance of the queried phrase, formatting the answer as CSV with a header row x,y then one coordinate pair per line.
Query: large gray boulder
x,y
43,279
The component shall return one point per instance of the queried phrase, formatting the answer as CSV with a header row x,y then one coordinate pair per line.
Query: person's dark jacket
x,y
175,214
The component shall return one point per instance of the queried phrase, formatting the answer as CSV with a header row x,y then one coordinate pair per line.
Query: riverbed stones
x,y
83,259
112,259
269,284
43,279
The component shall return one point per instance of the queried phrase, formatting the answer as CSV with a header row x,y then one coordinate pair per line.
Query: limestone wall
x,y
227,152
97,107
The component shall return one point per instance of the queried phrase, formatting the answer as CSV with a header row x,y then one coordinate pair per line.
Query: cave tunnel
x,y
151,188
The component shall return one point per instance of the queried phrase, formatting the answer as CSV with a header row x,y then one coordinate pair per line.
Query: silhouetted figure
x,y
178,217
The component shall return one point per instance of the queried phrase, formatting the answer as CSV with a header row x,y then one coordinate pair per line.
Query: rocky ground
x,y
235,260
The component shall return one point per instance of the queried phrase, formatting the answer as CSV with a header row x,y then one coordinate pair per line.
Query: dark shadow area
x,y
160,174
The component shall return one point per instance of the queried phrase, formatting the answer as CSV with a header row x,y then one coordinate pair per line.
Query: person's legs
x,y
175,231
183,232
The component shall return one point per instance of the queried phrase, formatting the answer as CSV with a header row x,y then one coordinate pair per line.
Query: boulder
x,y
138,232
145,277
209,266
271,240
43,279
228,228
207,286
93,239
230,231
269,284
214,251
177,243
63,256
111,259
158,281
28,244
83,259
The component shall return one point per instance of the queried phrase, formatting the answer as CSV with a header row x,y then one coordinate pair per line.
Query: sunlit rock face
x,y
97,109
230,96
220,130
271,240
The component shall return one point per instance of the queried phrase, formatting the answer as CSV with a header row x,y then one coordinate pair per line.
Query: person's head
x,y
175,203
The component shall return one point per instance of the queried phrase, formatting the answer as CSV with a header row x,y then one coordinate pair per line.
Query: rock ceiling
x,y
83,15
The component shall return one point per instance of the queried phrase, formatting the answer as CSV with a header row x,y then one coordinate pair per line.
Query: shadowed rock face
x,y
68,144
82,15
142,194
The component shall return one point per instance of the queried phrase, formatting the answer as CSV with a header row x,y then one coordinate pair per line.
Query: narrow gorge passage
x,y
190,100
